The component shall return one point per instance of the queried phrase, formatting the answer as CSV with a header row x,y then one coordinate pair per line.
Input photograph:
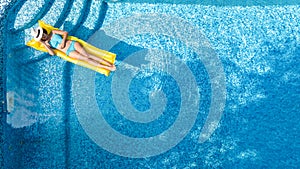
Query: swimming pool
x,y
198,85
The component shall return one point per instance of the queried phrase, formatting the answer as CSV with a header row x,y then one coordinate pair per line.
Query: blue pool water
x,y
198,85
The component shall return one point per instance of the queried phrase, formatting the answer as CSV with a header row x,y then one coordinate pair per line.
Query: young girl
x,y
57,39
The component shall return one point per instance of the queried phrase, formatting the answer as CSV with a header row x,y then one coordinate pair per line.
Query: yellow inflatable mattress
x,y
108,56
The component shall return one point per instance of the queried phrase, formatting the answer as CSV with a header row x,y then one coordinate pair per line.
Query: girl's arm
x,y
64,34
50,51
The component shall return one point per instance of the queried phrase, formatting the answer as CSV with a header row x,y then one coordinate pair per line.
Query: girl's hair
x,y
44,32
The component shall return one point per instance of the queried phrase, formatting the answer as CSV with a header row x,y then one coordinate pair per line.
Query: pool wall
x,y
5,6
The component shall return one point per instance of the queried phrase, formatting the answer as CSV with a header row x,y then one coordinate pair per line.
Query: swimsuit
x,y
71,48
57,39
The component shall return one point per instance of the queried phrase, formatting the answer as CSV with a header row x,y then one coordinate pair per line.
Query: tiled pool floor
x,y
185,71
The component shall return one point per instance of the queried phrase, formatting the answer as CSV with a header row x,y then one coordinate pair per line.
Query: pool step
x,y
93,20
76,16
26,13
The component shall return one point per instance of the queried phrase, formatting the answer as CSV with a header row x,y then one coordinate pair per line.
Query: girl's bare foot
x,y
113,68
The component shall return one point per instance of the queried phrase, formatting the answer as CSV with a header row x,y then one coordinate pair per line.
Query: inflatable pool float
x,y
108,56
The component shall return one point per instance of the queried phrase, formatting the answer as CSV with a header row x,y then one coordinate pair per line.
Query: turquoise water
x,y
198,85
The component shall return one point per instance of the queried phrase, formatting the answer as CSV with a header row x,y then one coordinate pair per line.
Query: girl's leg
x,y
81,50
77,55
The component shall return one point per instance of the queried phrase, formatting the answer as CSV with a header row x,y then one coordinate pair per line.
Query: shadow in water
x,y
100,40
